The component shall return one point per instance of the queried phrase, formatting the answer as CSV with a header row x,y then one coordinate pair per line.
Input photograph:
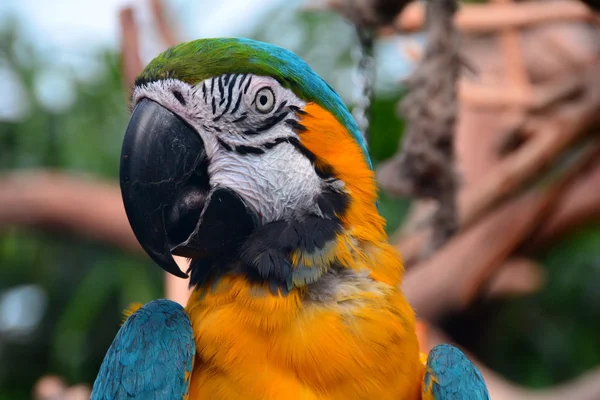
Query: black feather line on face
x,y
324,171
283,103
270,145
228,98
179,97
297,110
243,150
271,122
224,144
303,150
230,93
248,85
244,76
296,126
240,119
221,92
237,104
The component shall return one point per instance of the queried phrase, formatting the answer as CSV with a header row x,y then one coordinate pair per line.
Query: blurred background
x,y
504,259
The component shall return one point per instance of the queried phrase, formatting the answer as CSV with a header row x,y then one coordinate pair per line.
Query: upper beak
x,y
166,190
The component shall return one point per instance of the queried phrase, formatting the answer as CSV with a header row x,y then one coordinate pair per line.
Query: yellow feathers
x,y
360,344
133,307
329,141
351,335
365,243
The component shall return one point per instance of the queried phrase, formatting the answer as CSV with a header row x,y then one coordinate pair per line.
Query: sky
x,y
69,32
67,23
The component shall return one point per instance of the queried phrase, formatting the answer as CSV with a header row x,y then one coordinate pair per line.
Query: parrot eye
x,y
264,100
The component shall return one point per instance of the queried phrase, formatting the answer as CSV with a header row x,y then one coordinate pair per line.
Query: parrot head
x,y
241,158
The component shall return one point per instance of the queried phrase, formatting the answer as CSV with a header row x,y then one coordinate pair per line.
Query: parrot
x,y
240,158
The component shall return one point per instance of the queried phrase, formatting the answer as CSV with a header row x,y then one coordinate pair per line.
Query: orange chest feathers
x,y
349,337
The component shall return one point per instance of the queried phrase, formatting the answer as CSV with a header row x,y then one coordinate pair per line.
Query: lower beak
x,y
166,190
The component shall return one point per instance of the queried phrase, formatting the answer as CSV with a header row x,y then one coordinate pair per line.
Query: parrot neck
x,y
345,332
360,263
376,261
306,343
363,240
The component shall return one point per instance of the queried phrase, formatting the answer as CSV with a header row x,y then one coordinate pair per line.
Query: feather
x,y
151,357
449,375
201,59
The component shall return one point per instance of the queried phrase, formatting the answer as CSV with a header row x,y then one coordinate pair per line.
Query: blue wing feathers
x,y
151,357
452,376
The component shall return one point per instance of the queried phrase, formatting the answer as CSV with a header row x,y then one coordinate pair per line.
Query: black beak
x,y
169,201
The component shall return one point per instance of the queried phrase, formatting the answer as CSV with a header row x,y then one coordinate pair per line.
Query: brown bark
x,y
83,207
578,205
518,276
160,17
487,18
132,63
553,134
549,135
452,277
91,208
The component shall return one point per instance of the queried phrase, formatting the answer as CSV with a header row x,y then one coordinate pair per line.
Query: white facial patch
x,y
247,123
279,183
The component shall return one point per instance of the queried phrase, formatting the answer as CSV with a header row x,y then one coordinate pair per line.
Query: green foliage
x,y
551,336
87,284
85,137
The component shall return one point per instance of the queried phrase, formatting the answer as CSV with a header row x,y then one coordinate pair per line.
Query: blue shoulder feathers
x,y
449,375
151,356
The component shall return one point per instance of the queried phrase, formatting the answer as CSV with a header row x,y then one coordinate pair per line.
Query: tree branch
x,y
549,134
132,63
553,133
166,32
487,18
518,276
452,277
83,207
579,204
90,208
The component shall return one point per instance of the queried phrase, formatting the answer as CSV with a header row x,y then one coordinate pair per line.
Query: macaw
x,y
239,157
